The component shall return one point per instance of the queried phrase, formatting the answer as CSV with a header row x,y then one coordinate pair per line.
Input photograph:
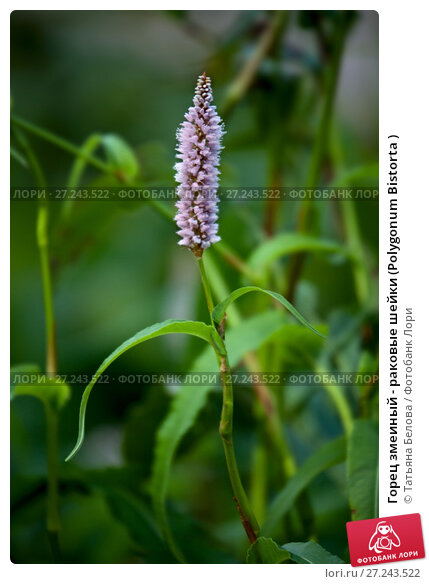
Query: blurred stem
x,y
78,167
274,182
336,393
231,257
258,480
361,272
323,131
276,156
248,73
53,516
61,143
88,147
318,153
43,244
31,158
273,422
18,157
354,241
220,290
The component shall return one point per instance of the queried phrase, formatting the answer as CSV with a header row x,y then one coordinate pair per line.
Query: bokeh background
x,y
117,267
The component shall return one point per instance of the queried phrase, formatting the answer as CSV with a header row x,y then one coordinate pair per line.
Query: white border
x,y
403,104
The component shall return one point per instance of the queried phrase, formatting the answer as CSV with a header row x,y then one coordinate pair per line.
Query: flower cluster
x,y
199,144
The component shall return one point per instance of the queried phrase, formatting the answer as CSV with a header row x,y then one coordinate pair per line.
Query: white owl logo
x,y
383,538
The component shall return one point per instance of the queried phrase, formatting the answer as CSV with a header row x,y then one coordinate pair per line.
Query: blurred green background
x,y
306,114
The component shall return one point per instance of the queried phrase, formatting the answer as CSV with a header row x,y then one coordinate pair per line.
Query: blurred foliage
x,y
97,98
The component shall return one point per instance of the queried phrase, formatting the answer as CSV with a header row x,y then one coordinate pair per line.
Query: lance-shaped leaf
x,y
362,470
265,551
120,156
26,380
220,310
310,552
328,455
189,327
286,244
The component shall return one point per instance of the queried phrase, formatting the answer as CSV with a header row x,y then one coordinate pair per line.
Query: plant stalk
x,y
206,288
42,242
263,393
248,73
53,515
60,143
321,141
247,516
53,523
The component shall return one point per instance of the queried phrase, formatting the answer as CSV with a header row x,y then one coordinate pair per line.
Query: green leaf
x,y
196,329
183,412
366,175
328,455
266,551
141,426
137,519
310,552
186,405
287,244
220,310
16,373
26,380
362,469
120,156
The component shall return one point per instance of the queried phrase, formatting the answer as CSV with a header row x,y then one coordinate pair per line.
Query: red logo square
x,y
387,539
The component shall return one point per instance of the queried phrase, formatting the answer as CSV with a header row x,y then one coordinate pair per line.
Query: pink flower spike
x,y
199,142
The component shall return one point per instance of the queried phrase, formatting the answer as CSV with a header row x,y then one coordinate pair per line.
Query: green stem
x,y
43,244
246,76
61,143
258,488
268,405
225,251
322,136
247,516
216,282
248,519
53,515
273,421
78,167
206,287
354,242
53,522
342,406
318,153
